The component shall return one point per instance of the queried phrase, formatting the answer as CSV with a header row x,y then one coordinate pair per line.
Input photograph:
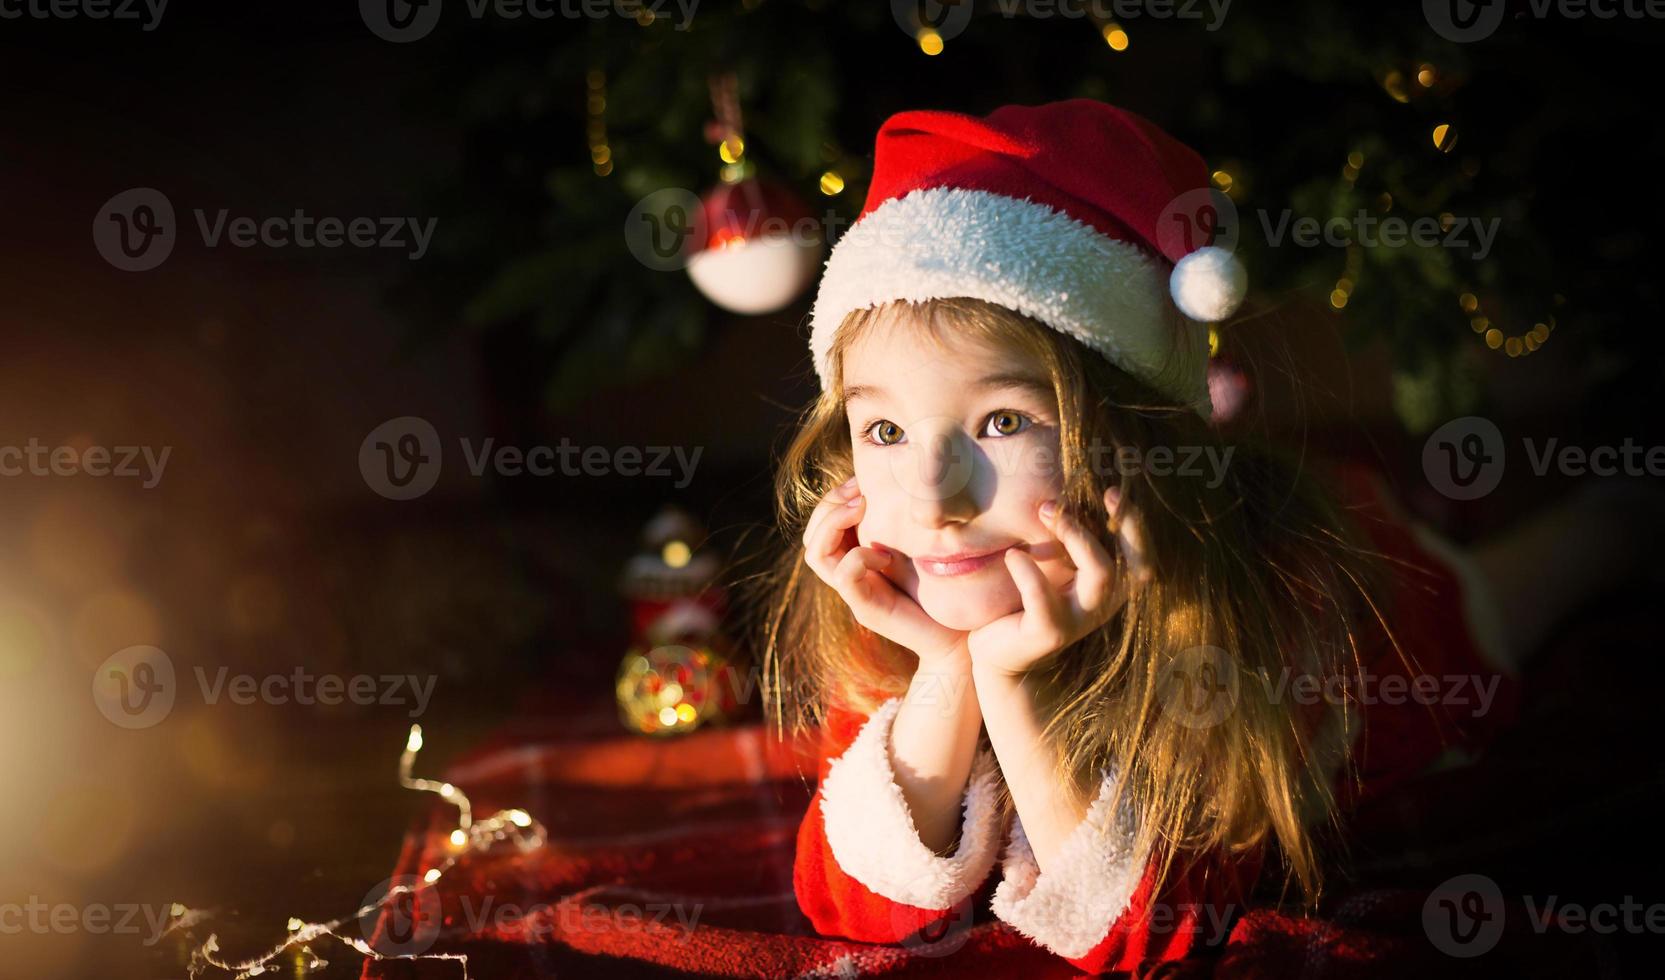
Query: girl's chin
x,y
965,608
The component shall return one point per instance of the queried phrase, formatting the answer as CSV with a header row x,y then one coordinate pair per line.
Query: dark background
x,y
263,549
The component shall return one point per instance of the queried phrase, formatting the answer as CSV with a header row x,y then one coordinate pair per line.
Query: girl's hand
x,y
854,573
1051,620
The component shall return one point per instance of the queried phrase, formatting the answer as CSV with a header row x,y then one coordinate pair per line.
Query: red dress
x,y
862,873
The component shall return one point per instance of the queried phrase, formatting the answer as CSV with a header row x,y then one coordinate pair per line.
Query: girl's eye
x,y
1007,423
889,433
883,432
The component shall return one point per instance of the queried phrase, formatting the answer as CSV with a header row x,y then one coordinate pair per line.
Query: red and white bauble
x,y
762,247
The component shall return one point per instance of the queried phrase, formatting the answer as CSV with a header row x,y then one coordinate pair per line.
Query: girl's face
x,y
955,451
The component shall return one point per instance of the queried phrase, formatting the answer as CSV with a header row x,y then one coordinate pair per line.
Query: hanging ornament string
x,y
726,128
468,837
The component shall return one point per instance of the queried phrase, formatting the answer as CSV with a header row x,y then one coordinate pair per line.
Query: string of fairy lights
x,y
514,826
1443,136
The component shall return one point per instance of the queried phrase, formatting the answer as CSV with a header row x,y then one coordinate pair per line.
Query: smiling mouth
x,y
959,566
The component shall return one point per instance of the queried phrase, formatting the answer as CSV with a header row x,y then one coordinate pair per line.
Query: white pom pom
x,y
1209,284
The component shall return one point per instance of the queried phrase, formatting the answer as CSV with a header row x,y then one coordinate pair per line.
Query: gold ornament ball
x,y
671,689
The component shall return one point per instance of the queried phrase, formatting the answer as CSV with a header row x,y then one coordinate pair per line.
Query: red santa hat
x,y
1056,211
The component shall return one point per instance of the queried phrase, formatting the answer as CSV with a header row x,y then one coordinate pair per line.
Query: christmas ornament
x,y
673,689
678,673
762,247
1228,388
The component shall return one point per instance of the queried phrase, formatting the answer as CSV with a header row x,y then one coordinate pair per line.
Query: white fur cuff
x,y
872,833
1070,909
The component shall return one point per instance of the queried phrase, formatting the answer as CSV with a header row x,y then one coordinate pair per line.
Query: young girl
x,y
1042,614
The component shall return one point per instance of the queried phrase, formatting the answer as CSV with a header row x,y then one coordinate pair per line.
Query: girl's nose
x,y
941,481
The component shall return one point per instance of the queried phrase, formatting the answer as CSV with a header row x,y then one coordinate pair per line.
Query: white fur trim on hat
x,y
1071,908
872,833
943,242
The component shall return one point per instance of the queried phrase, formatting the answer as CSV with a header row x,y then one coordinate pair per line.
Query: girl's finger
x,y
824,541
1041,603
851,570
1092,562
834,499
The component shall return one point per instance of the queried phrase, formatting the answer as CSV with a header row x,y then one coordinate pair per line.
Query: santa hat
x,y
1056,211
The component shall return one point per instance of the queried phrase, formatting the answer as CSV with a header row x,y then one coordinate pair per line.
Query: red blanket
x,y
674,858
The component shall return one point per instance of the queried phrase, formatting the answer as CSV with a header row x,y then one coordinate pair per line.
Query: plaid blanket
x,y
674,858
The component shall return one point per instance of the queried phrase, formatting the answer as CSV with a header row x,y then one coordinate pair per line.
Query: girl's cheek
x,y
874,524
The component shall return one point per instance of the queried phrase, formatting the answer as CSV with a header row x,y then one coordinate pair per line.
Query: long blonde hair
x,y
1258,575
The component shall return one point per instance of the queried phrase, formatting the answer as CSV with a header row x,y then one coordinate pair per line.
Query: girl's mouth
x,y
959,565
